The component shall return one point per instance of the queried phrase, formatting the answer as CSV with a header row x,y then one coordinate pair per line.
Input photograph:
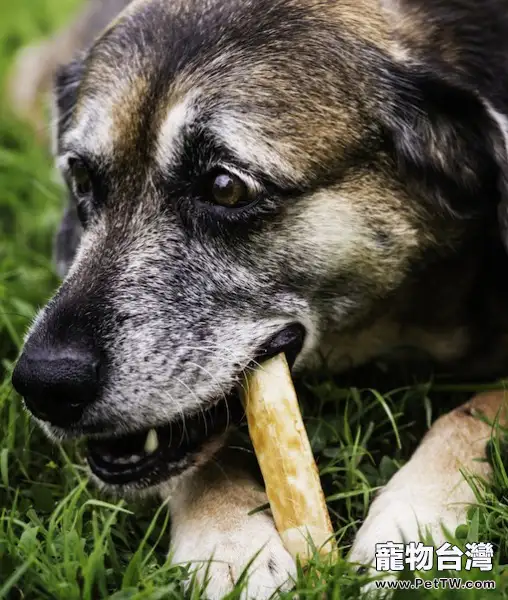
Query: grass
x,y
58,538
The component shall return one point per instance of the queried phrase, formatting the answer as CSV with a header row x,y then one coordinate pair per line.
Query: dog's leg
x,y
430,491
213,530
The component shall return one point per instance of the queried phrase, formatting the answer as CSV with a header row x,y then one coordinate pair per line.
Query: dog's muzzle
x,y
57,385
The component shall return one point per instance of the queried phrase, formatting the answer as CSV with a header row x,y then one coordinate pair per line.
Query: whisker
x,y
199,403
224,396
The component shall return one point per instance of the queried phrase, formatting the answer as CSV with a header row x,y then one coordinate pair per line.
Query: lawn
x,y
58,538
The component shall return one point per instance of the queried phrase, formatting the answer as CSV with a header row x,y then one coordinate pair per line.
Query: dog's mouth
x,y
152,456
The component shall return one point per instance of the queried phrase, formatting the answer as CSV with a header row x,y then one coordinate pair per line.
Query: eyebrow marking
x,y
170,136
93,131
100,126
105,113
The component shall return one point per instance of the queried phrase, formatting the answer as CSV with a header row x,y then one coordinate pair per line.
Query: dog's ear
x,y
67,80
450,112
464,40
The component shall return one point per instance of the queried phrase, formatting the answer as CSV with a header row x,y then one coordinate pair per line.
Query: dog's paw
x,y
218,557
403,518
399,518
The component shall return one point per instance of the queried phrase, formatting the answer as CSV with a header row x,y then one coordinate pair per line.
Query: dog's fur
x,y
376,134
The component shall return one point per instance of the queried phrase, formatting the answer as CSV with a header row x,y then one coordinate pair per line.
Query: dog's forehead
x,y
261,75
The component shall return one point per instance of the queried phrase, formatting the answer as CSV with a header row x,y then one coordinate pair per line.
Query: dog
x,y
249,177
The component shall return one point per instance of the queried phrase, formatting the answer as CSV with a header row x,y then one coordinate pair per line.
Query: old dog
x,y
325,178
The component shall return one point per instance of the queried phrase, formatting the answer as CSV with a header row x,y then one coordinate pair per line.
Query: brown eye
x,y
229,190
81,179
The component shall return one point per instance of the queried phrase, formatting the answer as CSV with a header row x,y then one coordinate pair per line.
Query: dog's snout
x,y
57,383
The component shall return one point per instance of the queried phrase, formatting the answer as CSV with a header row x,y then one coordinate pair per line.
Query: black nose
x,y
57,383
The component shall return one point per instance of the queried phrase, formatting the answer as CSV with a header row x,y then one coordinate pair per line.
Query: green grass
x,y
58,538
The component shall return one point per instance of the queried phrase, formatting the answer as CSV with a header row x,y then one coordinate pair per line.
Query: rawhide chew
x,y
285,457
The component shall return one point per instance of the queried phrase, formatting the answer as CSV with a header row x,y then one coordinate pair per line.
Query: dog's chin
x,y
148,459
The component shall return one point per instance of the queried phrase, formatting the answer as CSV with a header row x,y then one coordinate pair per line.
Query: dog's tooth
x,y
152,442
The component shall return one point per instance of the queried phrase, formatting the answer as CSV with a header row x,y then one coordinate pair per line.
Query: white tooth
x,y
152,442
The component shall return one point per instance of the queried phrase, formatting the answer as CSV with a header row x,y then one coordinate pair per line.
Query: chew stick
x,y
285,457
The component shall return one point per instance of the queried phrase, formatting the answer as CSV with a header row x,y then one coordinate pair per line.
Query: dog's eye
x,y
80,179
228,190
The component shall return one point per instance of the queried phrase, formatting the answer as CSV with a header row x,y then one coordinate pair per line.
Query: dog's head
x,y
246,176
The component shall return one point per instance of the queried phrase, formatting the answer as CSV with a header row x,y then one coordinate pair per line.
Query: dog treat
x,y
285,457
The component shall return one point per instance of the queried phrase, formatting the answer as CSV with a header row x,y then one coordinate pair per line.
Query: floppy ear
x,y
66,86
464,40
451,71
